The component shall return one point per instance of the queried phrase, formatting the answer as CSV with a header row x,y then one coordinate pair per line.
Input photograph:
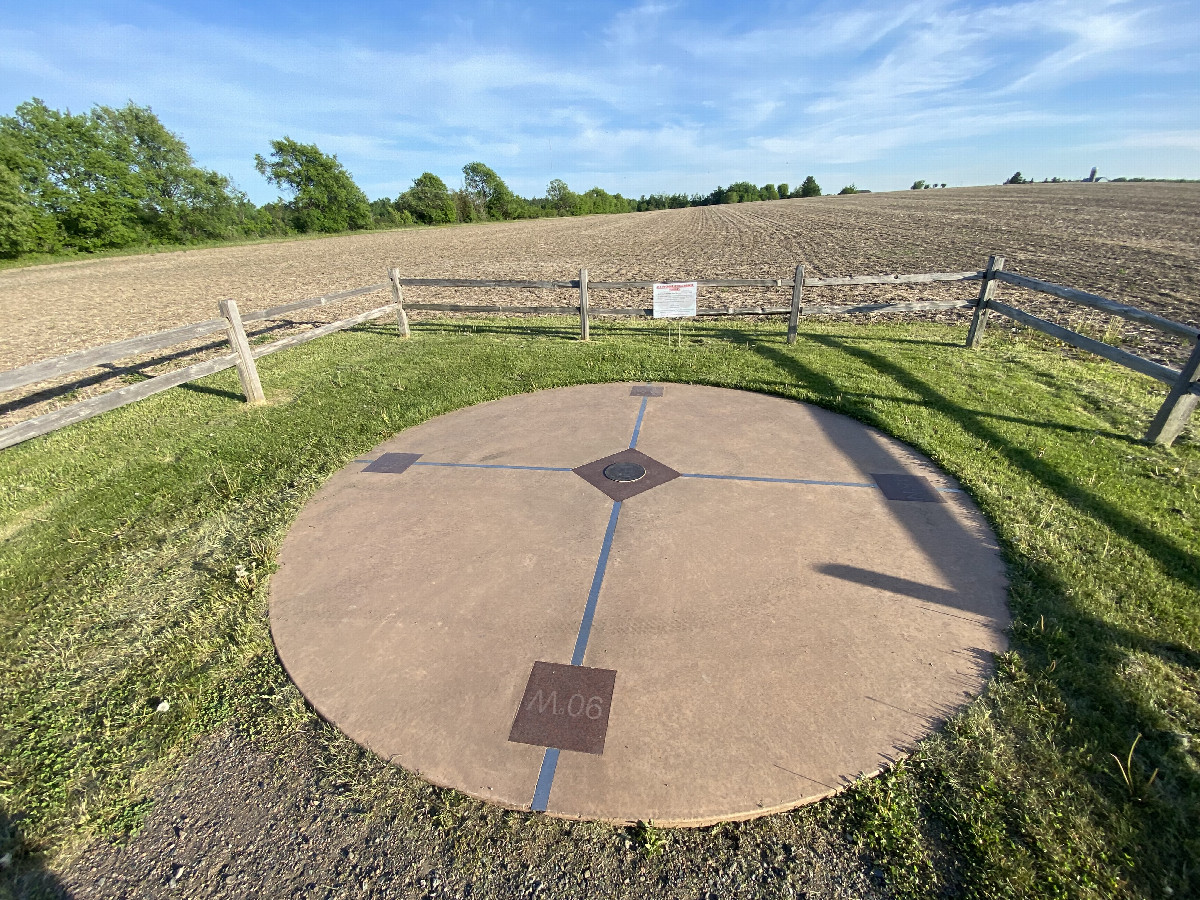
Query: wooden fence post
x,y
1173,415
398,297
797,292
584,326
247,371
987,291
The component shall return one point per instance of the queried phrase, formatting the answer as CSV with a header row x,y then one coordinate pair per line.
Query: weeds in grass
x,y
1137,788
647,838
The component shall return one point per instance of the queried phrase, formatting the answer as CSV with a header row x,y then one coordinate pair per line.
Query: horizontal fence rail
x,y
1184,394
701,282
161,340
1095,301
94,406
1172,417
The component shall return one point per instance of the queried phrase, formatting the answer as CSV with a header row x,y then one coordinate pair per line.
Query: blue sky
x,y
638,97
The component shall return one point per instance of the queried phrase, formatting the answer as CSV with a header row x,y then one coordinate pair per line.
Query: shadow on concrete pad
x,y
908,588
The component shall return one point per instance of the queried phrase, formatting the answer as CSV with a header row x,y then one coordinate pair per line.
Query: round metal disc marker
x,y
624,472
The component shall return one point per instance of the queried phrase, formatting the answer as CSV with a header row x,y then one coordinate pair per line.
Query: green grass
x,y
137,547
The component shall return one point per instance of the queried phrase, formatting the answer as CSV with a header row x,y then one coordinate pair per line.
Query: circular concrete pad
x,y
764,615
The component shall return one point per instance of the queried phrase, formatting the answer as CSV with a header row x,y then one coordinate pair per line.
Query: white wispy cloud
x,y
869,85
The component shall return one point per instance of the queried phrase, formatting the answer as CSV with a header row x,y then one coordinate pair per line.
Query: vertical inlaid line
x,y
545,781
638,427
589,611
541,793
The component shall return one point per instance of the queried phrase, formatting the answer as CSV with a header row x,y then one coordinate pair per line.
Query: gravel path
x,y
312,816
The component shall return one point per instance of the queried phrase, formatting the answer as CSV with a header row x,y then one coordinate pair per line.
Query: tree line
x,y
114,178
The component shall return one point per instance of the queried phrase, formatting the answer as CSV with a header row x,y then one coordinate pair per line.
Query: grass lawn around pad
x,y
136,550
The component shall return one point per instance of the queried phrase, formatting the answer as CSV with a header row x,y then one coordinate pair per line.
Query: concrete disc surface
x,y
755,628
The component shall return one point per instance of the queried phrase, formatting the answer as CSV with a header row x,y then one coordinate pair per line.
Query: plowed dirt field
x,y
1138,243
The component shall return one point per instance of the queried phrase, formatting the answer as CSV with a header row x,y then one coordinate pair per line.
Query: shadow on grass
x,y
603,326
1107,713
134,372
1176,562
23,876
194,388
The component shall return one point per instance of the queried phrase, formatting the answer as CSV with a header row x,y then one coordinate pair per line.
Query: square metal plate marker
x,y
646,390
606,474
907,487
565,707
393,463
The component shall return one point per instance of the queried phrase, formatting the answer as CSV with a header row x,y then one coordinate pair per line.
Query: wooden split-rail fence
x,y
1182,396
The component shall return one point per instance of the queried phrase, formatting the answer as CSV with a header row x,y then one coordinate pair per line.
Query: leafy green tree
x,y
810,188
782,191
386,214
112,178
16,216
561,198
489,194
429,201
72,171
666,201
24,227
464,206
1017,179
325,197
918,185
597,200
177,201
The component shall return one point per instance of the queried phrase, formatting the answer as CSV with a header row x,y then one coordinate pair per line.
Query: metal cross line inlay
x,y
566,706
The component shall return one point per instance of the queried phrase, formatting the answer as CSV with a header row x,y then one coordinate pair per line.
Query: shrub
x,y
428,201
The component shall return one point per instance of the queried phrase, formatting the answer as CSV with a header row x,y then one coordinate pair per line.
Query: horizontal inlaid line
x,y
450,465
861,484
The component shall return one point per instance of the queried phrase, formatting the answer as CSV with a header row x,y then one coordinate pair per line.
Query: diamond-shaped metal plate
x,y
646,390
907,487
393,463
656,474
565,707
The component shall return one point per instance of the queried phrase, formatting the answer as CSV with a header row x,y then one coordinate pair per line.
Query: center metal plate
x,y
624,471
595,473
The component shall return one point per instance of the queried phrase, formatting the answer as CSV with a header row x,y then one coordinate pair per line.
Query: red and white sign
x,y
675,301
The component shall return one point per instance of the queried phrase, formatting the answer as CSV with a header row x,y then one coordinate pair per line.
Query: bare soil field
x,y
1138,243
